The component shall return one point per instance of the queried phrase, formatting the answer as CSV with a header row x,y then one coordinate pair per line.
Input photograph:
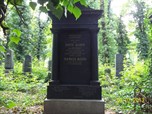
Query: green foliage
x,y
107,35
95,4
19,90
20,35
74,9
15,36
140,32
41,38
77,12
131,93
40,72
33,5
57,7
2,48
58,12
148,23
16,2
122,38
28,37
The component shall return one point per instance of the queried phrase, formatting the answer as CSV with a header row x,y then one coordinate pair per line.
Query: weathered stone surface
x,y
71,106
49,65
9,63
119,64
0,62
74,92
49,71
27,65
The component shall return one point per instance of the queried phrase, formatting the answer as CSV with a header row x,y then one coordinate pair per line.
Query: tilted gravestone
x,y
27,65
119,64
74,88
9,63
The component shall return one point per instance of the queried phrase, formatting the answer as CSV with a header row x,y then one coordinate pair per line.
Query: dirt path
x,y
109,112
31,110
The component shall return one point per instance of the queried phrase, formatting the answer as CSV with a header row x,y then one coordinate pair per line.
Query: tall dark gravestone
x,y
74,88
119,64
27,65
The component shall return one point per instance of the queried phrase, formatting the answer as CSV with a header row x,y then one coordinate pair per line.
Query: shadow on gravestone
x,y
27,65
119,64
9,63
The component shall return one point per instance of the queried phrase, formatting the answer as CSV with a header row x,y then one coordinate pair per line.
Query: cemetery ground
x,y
25,94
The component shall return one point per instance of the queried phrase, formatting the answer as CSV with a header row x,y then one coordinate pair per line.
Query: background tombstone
x,y
0,62
9,63
49,71
119,64
74,88
27,65
107,72
49,65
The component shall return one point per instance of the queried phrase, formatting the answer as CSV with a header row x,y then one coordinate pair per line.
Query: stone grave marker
x,y
74,88
0,62
49,65
49,71
9,63
107,72
119,64
27,65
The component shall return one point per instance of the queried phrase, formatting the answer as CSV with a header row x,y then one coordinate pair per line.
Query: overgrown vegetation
x,y
26,33
132,93
19,90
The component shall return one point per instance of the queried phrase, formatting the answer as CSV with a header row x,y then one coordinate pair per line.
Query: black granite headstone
x,y
75,60
119,64
27,65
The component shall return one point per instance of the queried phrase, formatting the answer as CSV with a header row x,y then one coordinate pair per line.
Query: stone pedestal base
x,y
83,92
72,106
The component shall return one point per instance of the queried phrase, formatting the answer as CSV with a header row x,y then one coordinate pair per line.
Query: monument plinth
x,y
75,65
